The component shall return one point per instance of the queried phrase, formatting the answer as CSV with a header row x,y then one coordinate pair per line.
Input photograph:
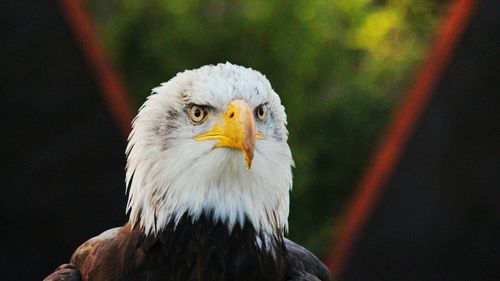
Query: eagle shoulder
x,y
302,265
107,256
92,247
65,272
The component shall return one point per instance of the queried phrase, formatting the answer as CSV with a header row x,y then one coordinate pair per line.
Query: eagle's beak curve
x,y
236,131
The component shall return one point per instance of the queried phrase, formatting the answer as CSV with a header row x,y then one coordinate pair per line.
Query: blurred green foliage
x,y
339,67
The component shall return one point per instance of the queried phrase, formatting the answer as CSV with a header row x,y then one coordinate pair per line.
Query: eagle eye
x,y
261,112
198,114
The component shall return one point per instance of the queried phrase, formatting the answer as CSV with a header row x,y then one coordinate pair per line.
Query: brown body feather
x,y
200,250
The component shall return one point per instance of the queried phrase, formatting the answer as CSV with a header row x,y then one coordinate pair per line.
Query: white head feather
x,y
169,173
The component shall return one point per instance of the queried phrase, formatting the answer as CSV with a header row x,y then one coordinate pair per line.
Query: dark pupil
x,y
197,112
261,111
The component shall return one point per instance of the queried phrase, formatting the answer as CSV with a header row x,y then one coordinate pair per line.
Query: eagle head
x,y
210,141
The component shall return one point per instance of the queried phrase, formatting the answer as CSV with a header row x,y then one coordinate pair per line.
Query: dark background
x,y
62,164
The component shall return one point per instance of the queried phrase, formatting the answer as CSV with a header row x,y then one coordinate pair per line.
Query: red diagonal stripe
x,y
393,144
115,94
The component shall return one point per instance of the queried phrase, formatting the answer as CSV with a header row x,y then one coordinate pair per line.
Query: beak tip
x,y
248,160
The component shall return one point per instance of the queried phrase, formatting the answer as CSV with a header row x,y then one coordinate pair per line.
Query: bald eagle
x,y
208,177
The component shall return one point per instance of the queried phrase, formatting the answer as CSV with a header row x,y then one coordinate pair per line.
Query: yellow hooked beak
x,y
237,130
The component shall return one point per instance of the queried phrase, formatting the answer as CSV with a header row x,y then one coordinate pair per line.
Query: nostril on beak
x,y
231,115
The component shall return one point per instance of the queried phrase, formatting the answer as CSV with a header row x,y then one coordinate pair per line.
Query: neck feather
x,y
166,185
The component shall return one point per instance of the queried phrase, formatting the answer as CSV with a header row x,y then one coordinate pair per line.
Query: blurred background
x,y
76,73
338,66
